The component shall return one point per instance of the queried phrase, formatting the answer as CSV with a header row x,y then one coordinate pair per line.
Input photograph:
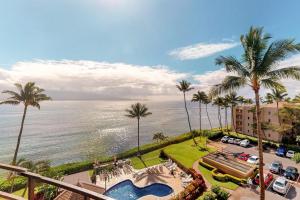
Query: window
x,y
248,117
269,112
248,131
269,120
248,124
269,135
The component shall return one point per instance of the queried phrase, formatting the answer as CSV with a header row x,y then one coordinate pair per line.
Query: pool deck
x,y
147,179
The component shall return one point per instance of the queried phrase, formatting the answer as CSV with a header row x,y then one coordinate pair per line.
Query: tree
x,y
296,99
206,102
233,100
159,136
35,167
258,68
219,102
200,97
29,95
277,95
184,87
138,111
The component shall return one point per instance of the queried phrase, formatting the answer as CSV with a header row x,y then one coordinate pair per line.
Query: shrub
x,y
296,158
209,196
71,168
19,183
221,193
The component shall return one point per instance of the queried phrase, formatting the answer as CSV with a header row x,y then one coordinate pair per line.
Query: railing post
x,y
31,186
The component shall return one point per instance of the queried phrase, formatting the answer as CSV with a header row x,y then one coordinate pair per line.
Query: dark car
x,y
281,151
291,173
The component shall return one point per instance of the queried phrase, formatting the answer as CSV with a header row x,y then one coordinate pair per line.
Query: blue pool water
x,y
126,190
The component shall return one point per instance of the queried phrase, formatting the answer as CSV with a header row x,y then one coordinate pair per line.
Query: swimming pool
x,y
126,190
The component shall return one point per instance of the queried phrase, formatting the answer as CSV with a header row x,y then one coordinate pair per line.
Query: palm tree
x,y
219,101
199,97
29,95
233,101
35,167
277,95
159,136
206,102
184,87
258,68
137,111
225,106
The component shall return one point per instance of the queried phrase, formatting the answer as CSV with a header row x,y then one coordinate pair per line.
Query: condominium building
x,y
244,119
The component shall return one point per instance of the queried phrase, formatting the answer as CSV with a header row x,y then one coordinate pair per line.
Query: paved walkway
x,y
75,178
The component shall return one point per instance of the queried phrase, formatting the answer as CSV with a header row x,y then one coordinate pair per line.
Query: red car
x,y
268,179
243,156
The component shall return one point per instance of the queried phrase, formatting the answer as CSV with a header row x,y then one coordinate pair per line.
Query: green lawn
x,y
147,160
19,193
186,152
207,175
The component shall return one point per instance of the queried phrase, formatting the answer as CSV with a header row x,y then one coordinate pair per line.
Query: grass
x,y
186,152
147,160
19,193
207,175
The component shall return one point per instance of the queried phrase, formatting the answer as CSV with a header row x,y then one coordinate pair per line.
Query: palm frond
x,y
10,102
285,73
271,83
232,65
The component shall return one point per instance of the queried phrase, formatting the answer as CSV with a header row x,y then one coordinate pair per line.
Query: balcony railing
x,y
33,179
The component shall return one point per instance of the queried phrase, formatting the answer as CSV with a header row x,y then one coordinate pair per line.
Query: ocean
x,y
67,131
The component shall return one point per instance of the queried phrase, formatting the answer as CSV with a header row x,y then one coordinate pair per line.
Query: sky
x,y
131,49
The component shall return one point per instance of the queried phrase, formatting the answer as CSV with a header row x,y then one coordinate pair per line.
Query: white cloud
x,y
200,50
210,78
93,80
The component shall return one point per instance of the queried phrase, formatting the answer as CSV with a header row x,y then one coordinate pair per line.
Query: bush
x,y
71,168
19,183
209,196
296,158
221,194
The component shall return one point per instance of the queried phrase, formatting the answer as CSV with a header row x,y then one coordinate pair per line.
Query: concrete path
x,y
75,178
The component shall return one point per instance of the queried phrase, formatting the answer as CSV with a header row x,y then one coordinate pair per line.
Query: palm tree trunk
x,y
260,149
208,116
219,117
188,118
19,137
226,119
277,105
200,119
232,119
139,153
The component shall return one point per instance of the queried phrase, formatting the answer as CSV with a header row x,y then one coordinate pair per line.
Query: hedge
x,y
19,183
222,177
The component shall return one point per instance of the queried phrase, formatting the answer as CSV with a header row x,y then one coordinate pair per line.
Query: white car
x,y
231,141
237,141
224,139
253,160
290,154
245,143
281,185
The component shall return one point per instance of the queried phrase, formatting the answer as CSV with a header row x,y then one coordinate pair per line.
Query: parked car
x,y
281,185
290,154
253,160
276,167
237,141
267,177
291,173
281,151
224,139
231,141
243,156
245,143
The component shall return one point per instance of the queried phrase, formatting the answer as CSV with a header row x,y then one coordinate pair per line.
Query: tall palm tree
x,y
219,102
277,95
233,100
206,102
258,68
200,97
226,106
138,111
184,87
29,95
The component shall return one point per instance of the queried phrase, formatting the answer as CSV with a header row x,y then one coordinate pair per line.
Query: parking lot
x,y
269,157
